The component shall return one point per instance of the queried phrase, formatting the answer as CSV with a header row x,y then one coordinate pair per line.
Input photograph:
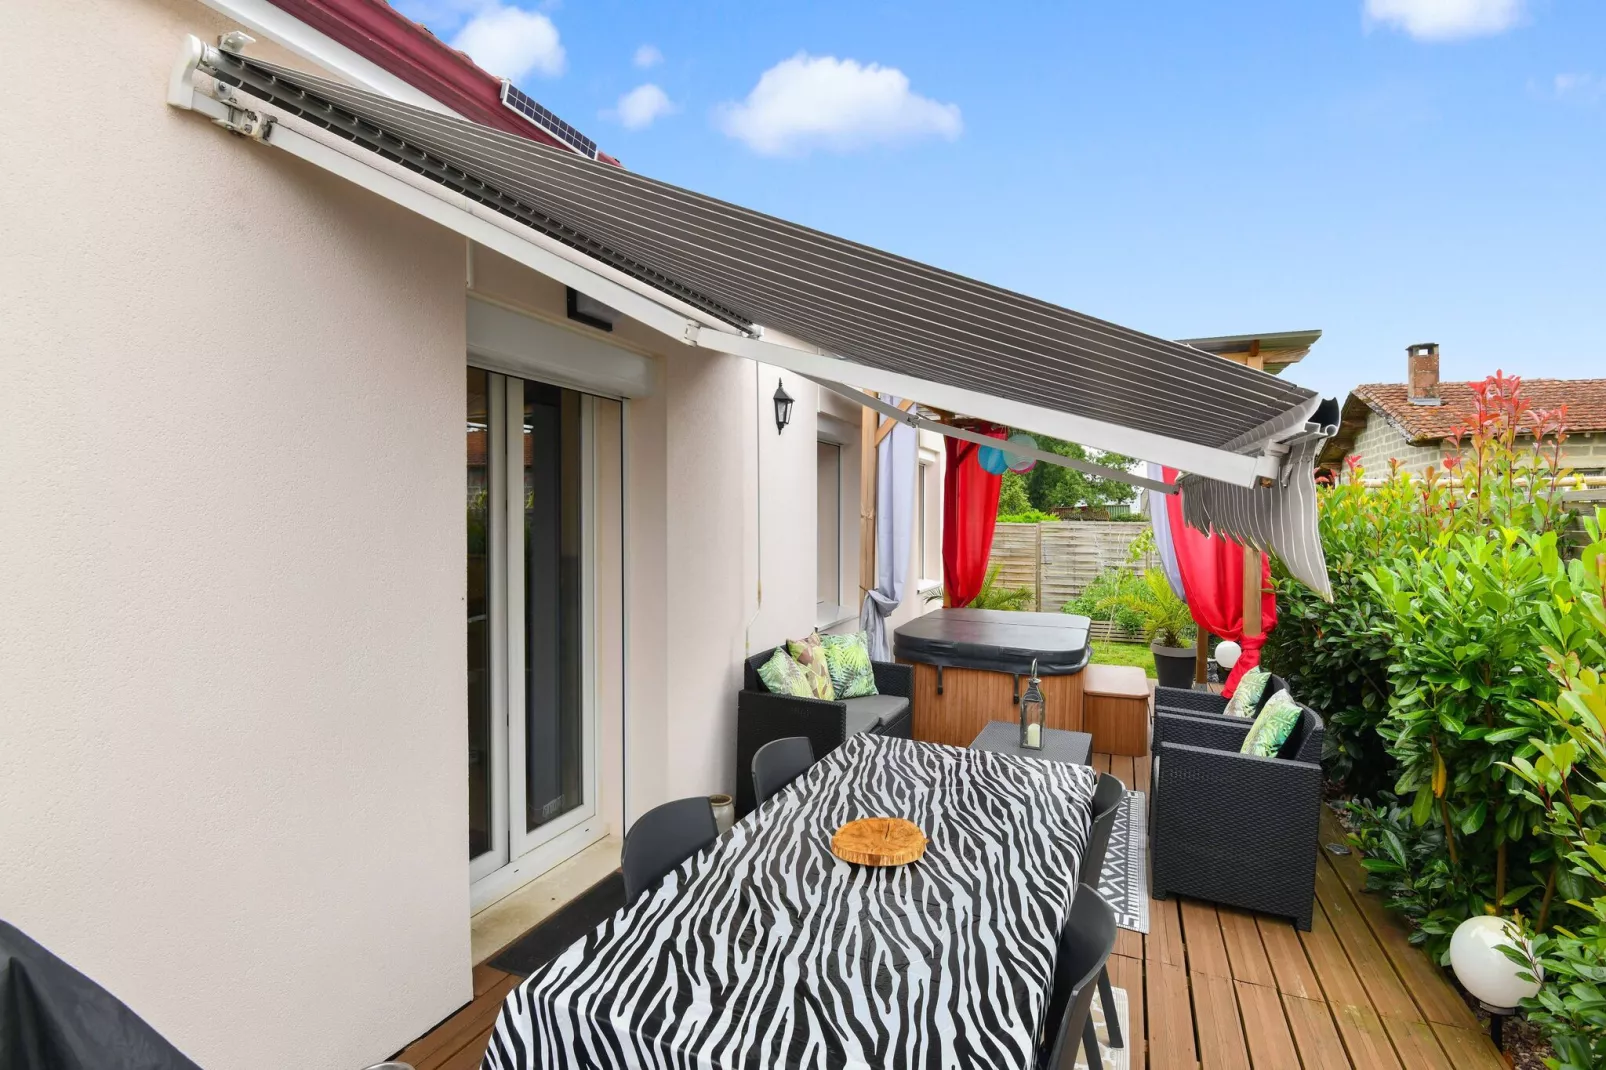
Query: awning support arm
x,y
964,435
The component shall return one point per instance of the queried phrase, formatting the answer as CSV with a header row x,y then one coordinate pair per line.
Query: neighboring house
x,y
242,782
1274,352
1414,422
357,567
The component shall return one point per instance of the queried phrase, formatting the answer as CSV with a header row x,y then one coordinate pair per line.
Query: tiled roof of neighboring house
x,y
384,36
1585,400
1424,424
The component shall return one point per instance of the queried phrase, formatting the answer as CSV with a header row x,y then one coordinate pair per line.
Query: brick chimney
x,y
1422,373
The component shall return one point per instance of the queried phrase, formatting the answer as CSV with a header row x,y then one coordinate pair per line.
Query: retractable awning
x,y
718,276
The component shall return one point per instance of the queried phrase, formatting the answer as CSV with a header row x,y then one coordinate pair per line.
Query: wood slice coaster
x,y
879,841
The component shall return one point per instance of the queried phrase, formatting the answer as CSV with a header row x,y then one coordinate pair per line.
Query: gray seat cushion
x,y
865,713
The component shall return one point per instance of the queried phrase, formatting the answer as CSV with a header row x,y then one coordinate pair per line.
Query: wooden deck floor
x,y
1216,988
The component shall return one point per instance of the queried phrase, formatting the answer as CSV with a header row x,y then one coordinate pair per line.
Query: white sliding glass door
x,y
531,629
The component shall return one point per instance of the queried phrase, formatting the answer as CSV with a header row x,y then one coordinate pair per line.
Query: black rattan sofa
x,y
762,716
1235,828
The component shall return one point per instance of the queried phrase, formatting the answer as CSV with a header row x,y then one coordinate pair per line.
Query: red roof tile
x,y
1585,400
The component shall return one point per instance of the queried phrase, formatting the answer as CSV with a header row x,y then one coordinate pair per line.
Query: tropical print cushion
x,y
1273,727
810,654
1250,688
783,676
848,658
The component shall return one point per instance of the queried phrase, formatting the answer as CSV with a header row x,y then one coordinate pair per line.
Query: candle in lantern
x,y
1031,713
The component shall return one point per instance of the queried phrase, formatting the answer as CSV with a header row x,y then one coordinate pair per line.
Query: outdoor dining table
x,y
765,950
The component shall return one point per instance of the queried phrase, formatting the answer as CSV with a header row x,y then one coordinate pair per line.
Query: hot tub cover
x,y
996,640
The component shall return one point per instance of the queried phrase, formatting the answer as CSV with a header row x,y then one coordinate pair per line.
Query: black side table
x,y
1072,748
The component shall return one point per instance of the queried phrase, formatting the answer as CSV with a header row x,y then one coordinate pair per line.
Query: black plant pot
x,y
1173,665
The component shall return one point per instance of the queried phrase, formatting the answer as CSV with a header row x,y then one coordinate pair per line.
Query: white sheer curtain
x,y
1160,517
896,470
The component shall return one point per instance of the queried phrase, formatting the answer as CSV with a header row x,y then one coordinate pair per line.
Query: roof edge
x,y
1352,419
383,36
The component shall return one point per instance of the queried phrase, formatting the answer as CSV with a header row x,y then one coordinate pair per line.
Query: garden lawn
x,y
1108,653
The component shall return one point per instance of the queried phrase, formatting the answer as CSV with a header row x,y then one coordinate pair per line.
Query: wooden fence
x,y
1056,561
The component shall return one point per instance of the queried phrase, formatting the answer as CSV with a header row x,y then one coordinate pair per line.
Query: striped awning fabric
x,y
861,303
756,272
1278,520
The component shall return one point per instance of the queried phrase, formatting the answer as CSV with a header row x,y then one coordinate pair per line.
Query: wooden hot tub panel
x,y
972,697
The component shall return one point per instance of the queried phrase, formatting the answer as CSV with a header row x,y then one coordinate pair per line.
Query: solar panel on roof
x,y
518,100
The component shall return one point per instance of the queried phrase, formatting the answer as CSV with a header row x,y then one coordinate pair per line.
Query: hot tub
x,y
971,666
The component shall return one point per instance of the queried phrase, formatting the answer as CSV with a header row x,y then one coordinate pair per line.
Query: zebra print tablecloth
x,y
767,951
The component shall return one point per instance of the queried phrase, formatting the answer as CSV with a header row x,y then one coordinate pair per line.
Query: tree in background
x,y
1012,497
1050,486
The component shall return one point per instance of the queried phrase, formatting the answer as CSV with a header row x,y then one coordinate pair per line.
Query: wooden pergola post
x,y
1252,591
872,429
867,484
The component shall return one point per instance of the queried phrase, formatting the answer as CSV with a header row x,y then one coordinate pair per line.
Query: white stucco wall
x,y
231,645
740,515
231,589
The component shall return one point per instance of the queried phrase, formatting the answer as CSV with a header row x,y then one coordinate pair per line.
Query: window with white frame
x,y
920,520
928,524
828,556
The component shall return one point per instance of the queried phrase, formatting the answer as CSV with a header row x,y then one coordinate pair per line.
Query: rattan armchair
x,y
1235,828
1187,700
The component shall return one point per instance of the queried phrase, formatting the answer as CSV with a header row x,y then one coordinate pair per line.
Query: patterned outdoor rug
x,y
1112,1058
1124,883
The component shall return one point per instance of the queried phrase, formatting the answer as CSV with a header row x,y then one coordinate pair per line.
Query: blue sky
x,y
1390,171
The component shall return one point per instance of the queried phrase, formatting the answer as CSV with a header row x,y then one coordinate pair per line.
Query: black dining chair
x,y
1084,946
778,763
1107,799
663,838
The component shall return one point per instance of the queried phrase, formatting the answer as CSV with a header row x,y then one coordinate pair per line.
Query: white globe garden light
x,y
1228,653
1484,970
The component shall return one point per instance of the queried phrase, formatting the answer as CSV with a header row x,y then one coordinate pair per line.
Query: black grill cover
x,y
54,1018
996,640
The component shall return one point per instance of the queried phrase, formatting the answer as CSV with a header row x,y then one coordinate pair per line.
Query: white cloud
x,y
511,42
438,13
1444,20
638,108
648,56
809,102
1587,88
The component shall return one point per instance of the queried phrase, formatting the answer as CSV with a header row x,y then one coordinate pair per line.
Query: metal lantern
x,y
1031,713
783,407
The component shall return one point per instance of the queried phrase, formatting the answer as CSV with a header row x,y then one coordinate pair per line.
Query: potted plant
x,y
991,596
1167,625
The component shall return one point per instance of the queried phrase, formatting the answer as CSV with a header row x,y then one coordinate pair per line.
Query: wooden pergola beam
x,y
867,484
887,423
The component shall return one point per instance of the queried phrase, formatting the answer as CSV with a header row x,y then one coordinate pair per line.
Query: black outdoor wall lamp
x,y
783,407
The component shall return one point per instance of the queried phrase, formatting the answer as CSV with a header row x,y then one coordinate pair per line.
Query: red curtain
x,y
969,511
1212,569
